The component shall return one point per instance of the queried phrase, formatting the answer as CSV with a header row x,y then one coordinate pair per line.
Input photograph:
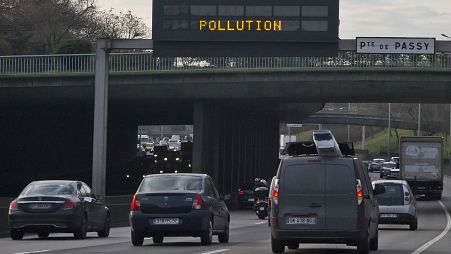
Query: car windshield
x,y
48,188
161,183
323,136
393,195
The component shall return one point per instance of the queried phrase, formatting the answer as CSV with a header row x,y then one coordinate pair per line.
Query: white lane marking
x,y
437,238
261,222
29,252
216,251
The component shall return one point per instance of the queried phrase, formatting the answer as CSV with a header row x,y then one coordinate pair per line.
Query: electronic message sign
x,y
245,27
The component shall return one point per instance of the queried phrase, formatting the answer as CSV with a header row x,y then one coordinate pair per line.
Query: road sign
x,y
394,45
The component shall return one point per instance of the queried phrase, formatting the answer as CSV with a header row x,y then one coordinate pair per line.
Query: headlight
x,y
165,158
127,175
176,171
177,159
161,171
189,165
155,155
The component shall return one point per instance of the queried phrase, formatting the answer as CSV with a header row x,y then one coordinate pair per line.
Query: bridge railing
x,y
145,62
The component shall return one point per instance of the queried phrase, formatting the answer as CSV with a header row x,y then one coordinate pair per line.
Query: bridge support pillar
x,y
234,146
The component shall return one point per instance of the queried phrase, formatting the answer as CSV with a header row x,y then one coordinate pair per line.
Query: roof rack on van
x,y
309,148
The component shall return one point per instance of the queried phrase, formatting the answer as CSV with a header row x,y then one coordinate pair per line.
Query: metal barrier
x,y
145,62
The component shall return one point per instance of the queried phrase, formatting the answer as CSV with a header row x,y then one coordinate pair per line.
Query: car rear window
x,y
303,179
171,183
47,188
393,195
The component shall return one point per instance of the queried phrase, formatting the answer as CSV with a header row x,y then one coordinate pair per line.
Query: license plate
x,y
251,200
40,206
166,221
261,208
389,215
302,220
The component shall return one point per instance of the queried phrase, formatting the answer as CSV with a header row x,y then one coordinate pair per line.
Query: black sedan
x,y
46,207
178,205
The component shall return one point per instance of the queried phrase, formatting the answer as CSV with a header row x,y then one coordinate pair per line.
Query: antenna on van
x,y
325,143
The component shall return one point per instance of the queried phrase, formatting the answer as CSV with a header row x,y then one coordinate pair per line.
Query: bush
x,y
5,47
74,46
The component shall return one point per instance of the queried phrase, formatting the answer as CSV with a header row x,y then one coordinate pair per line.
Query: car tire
x,y
374,242
261,216
206,237
277,246
157,239
43,235
16,234
414,225
293,246
224,236
105,232
363,246
137,238
81,232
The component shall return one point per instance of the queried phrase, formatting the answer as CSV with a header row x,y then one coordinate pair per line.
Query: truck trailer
x,y
421,164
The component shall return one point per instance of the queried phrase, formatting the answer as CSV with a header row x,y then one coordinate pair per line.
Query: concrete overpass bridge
x,y
235,105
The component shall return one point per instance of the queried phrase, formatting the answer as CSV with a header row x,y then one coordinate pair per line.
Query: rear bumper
x,y
62,222
402,218
192,223
319,236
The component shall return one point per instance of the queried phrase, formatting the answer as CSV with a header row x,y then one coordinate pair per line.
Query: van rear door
x,y
301,196
341,196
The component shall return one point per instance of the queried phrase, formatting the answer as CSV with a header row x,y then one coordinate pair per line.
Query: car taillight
x,y
241,192
275,193
407,197
198,202
359,192
69,204
136,205
13,205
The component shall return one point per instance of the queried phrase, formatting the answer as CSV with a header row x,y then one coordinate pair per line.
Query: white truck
x,y
421,164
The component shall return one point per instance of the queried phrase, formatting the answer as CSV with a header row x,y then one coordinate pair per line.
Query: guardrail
x,y
145,62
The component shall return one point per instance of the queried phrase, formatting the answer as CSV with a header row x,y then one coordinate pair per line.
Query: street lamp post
x,y
449,139
389,129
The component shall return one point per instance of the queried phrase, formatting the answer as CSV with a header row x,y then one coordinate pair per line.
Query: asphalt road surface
x,y
248,234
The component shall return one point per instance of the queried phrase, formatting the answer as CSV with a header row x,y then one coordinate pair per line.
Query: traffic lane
x,y
444,244
255,238
241,236
239,219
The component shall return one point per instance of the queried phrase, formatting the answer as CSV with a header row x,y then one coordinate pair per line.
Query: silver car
x,y
397,205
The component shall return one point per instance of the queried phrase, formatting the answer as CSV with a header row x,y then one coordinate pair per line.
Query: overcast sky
x,y
404,18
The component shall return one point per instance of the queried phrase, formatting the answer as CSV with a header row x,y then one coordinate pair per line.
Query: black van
x,y
323,199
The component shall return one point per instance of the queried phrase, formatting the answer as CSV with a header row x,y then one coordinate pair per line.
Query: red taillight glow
x,y
13,205
275,193
241,192
136,205
359,192
69,205
198,202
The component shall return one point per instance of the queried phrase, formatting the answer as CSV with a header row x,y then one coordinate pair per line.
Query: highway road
x,y
250,235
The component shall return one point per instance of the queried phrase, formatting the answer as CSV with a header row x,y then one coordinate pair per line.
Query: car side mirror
x,y
378,189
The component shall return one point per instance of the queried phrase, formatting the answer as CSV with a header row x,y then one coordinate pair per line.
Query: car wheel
x,y
277,246
261,216
224,236
206,237
158,239
363,246
414,225
374,242
105,232
16,234
82,230
43,234
137,238
293,246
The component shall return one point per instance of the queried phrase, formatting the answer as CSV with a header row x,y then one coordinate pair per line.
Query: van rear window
x,y
303,179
